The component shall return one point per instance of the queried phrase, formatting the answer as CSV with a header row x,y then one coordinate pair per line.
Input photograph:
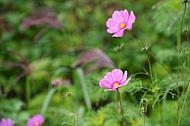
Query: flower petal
x,y
117,16
125,15
130,21
123,84
36,118
110,89
120,33
6,122
111,23
127,81
124,77
108,77
113,30
129,26
131,17
117,75
111,78
104,84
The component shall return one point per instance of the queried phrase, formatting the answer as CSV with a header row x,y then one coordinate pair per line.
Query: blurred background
x,y
43,40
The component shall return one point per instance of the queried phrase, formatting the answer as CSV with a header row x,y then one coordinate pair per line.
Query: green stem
x,y
140,45
150,68
160,107
143,105
121,108
148,52
182,21
179,67
183,105
144,117
161,64
119,58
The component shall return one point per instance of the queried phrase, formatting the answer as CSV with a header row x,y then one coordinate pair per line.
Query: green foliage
x,y
12,108
168,109
103,117
51,43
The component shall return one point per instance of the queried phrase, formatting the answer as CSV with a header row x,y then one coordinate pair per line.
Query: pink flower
x,y
36,120
6,122
114,79
120,21
57,81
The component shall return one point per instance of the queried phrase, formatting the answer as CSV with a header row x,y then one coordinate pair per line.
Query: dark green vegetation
x,y
41,40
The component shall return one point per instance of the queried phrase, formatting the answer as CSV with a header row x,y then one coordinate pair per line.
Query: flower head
x,y
120,21
114,79
57,81
6,122
36,120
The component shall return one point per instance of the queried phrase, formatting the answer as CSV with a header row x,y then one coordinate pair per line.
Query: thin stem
x,y
161,113
183,106
182,21
75,122
161,64
149,64
179,66
146,50
119,58
143,105
136,40
144,118
150,68
121,108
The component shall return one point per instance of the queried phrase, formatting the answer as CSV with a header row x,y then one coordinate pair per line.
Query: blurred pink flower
x,y
67,82
57,82
36,120
120,21
6,122
114,79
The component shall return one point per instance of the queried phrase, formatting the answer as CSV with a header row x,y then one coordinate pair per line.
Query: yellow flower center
x,y
122,25
115,84
36,123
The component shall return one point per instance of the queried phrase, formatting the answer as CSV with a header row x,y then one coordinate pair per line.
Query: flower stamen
x,y
122,25
36,123
115,84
